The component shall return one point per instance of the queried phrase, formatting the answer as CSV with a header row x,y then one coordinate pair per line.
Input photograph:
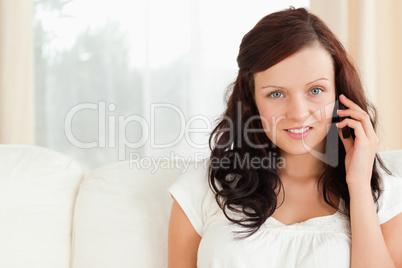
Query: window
x,y
119,80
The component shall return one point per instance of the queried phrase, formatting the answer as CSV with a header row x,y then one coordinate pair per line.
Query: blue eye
x,y
316,91
275,94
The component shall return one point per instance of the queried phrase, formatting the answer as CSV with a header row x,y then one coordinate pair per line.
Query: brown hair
x,y
250,191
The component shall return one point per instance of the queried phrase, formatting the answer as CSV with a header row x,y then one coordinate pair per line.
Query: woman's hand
x,y
360,152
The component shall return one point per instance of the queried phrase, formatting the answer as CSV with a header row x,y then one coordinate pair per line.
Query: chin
x,y
301,148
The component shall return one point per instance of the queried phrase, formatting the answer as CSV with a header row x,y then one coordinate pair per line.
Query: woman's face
x,y
296,98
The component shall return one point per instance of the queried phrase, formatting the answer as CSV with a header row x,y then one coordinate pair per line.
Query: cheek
x,y
329,112
325,120
266,116
324,109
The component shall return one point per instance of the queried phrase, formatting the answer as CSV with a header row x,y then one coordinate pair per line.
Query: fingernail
x,y
337,124
343,96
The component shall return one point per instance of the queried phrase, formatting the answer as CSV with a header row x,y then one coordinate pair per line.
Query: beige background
x,y
372,33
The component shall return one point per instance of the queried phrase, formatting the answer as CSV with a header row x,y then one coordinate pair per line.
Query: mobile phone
x,y
345,130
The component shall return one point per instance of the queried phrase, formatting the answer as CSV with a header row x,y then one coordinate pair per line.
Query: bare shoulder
x,y
183,239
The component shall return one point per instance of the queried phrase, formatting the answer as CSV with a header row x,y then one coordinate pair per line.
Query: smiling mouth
x,y
298,130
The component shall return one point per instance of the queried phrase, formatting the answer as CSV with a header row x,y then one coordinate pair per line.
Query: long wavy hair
x,y
250,191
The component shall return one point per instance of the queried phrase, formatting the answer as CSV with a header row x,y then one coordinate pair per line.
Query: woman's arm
x,y
183,240
369,247
392,232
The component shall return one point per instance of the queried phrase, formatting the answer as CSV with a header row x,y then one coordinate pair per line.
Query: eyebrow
x,y
323,78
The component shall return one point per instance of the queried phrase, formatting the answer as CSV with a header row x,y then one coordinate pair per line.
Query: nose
x,y
298,109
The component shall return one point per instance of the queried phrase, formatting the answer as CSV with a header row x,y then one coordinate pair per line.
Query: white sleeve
x,y
390,201
190,191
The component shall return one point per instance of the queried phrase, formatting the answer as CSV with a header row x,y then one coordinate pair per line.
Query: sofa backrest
x,y
37,193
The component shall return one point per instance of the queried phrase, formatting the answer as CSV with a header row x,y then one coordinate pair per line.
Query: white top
x,y
315,243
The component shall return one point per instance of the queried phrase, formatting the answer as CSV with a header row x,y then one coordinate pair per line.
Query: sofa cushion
x,y
37,192
121,217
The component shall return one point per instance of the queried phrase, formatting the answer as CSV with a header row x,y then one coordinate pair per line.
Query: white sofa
x,y
54,216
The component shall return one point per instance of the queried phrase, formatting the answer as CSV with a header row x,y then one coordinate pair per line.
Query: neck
x,y
301,168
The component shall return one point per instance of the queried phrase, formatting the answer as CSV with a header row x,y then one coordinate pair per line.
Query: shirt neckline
x,y
308,221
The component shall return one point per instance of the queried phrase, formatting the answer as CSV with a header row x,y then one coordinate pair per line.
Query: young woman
x,y
286,186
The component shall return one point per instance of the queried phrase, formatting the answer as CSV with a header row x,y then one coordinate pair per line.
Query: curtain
x,y
371,31
16,72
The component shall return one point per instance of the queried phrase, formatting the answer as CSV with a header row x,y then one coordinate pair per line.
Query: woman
x,y
281,189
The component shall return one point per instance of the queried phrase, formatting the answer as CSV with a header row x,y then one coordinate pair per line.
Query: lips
x,y
298,132
298,129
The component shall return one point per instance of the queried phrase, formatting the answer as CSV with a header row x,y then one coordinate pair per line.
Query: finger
x,y
353,106
349,103
347,143
356,125
362,117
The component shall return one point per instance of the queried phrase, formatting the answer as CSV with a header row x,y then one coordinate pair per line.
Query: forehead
x,y
302,67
